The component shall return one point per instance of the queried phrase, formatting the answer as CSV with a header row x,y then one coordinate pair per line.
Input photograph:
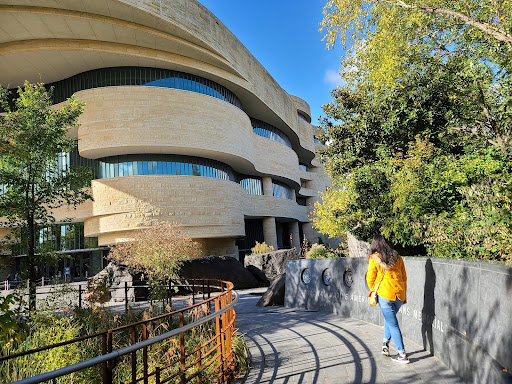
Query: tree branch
x,y
488,28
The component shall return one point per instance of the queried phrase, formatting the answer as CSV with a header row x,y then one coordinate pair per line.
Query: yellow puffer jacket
x,y
394,284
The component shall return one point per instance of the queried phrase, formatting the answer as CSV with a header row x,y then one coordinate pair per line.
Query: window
x,y
303,117
281,190
252,185
303,167
151,77
270,132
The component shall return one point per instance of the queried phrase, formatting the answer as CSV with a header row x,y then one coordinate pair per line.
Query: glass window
x,y
140,76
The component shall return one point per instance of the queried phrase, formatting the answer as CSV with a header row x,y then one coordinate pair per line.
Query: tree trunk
x,y
31,262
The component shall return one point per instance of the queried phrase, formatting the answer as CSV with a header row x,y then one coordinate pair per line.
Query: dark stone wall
x,y
460,311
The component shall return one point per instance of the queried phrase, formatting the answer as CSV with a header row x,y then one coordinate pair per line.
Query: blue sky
x,y
283,35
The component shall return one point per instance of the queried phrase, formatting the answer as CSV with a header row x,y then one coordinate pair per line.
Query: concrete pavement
x,y
290,346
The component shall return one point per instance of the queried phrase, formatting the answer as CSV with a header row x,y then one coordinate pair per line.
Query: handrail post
x,y
199,362
106,371
183,374
170,293
220,341
79,295
157,375
134,355
232,310
125,297
145,354
226,336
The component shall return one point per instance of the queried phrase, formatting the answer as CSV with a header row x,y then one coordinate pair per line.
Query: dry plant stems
x,y
157,251
49,327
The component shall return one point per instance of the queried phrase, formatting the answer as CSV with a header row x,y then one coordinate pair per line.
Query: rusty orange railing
x,y
211,360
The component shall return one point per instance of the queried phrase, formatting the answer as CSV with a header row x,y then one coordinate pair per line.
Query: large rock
x,y
218,267
116,275
272,264
274,296
259,275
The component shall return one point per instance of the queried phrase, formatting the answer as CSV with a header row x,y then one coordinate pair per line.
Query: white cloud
x,y
333,78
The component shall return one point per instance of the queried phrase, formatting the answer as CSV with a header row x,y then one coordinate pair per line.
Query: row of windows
x,y
153,77
159,164
281,190
270,132
133,165
62,237
252,185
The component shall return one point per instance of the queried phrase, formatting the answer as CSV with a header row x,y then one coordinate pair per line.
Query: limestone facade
x,y
53,40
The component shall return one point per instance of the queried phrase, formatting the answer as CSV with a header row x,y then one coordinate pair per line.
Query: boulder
x,y
116,275
259,275
218,267
274,296
272,264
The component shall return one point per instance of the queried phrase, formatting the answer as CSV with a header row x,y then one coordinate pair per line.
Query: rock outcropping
x,y
272,264
218,267
274,296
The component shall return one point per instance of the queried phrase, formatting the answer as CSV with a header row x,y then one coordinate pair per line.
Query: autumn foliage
x,y
157,251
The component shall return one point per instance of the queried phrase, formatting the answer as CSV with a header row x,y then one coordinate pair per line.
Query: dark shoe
x,y
385,349
401,358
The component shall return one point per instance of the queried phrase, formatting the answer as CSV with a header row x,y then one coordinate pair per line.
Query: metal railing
x,y
211,359
129,292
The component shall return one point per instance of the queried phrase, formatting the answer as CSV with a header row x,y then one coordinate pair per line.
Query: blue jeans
x,y
391,328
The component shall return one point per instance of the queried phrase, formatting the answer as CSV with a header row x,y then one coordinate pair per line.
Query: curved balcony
x,y
206,207
136,120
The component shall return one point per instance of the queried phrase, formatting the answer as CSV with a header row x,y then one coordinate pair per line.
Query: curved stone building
x,y
182,123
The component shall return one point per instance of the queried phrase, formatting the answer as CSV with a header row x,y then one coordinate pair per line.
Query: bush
x,y
319,251
9,328
46,328
157,251
259,249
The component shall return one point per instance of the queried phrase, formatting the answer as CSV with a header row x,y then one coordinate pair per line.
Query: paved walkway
x,y
289,346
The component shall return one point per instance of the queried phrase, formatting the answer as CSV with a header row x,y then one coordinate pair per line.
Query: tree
x,y
33,133
386,33
157,251
420,136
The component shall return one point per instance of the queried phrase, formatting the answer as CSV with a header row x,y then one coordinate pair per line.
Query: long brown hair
x,y
387,254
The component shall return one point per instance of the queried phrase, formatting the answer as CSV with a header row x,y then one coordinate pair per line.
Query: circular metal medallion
x,y
306,276
348,278
326,276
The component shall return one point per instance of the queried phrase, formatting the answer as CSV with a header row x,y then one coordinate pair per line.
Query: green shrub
x,y
259,249
319,251
45,328
9,328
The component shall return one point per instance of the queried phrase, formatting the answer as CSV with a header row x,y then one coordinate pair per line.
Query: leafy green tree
x,y
420,136
385,34
33,133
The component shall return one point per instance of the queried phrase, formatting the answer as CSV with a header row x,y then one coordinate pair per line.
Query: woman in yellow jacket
x,y
386,266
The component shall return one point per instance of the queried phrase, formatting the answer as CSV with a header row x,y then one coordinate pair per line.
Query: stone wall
x,y
459,311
